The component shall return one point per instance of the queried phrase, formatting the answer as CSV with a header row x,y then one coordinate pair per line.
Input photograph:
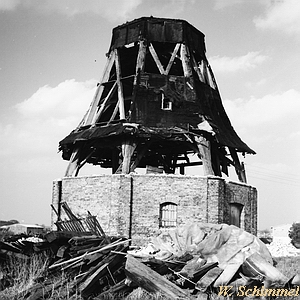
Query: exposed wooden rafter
x,y
91,115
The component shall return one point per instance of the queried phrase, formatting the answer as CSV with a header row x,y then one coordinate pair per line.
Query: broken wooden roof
x,y
158,30
157,85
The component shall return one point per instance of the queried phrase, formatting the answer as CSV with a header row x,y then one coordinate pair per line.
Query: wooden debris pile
x,y
89,265
191,262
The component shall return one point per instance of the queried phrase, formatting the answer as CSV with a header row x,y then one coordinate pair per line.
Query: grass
x,y
22,274
289,266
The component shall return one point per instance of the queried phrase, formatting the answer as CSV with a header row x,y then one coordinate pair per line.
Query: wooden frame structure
x,y
157,102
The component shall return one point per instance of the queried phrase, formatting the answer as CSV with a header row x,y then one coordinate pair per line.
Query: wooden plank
x,y
197,69
239,169
120,85
73,162
168,68
156,59
151,281
90,118
185,60
119,287
140,62
103,104
204,149
116,109
87,255
226,276
111,262
141,151
128,148
208,278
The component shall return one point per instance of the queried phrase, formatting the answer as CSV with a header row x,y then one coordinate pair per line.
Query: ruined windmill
x,y
157,102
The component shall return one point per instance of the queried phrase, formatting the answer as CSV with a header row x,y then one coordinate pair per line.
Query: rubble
x,y
183,263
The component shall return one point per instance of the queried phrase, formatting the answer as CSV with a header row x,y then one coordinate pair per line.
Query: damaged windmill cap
x,y
158,91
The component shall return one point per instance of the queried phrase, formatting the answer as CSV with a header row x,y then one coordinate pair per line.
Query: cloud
x,y
220,4
274,114
9,4
233,64
283,15
41,121
114,10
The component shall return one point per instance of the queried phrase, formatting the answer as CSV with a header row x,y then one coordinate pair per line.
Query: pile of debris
x,y
184,263
89,264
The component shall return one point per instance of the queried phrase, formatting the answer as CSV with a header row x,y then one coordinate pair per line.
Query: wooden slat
x,y
151,281
92,111
240,171
103,104
140,62
156,59
116,109
185,59
168,68
120,85
209,278
141,151
197,68
73,162
128,148
204,150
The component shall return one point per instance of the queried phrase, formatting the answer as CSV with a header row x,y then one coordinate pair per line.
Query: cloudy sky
x,y
53,54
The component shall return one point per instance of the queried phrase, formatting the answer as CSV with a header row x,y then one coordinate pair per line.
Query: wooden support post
x,y
140,66
103,104
115,160
140,61
185,59
181,170
239,169
73,163
205,153
159,65
156,59
128,147
197,69
120,86
215,160
82,162
204,70
168,68
141,151
90,117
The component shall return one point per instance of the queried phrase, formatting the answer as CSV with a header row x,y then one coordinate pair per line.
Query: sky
x,y
52,54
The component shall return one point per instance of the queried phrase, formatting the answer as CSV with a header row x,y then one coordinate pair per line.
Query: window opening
x,y
168,215
166,104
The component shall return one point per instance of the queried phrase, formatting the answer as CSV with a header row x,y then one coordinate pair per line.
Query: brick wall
x,y
129,204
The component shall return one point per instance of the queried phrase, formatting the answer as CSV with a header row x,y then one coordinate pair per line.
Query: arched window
x,y
167,215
